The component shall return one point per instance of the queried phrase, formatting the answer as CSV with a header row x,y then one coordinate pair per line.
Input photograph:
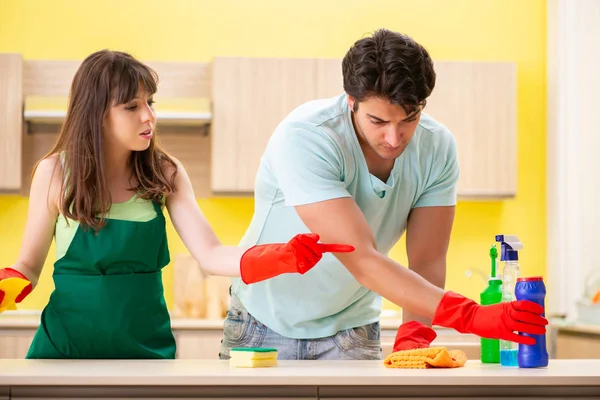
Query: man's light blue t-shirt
x,y
314,155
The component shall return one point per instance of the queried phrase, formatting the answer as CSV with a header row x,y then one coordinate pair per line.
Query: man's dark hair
x,y
388,65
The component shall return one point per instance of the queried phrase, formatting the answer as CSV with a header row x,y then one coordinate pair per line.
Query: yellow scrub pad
x,y
253,357
432,357
11,287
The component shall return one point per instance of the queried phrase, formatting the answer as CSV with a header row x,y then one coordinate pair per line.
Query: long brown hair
x,y
104,78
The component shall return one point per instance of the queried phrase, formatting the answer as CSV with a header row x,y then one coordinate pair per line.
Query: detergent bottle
x,y
509,256
532,356
490,348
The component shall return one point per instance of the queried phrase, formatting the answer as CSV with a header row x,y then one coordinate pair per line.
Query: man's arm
x,y
427,240
342,220
310,172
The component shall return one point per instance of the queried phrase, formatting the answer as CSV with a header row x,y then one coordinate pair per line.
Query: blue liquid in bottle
x,y
508,358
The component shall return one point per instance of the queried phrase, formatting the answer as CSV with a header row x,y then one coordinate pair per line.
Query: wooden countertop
x,y
194,379
297,373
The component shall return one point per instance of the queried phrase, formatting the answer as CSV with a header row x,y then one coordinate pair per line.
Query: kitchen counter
x,y
55,379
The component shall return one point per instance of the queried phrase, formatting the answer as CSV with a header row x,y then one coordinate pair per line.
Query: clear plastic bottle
x,y
510,273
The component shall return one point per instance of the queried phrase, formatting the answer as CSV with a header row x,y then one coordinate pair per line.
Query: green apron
x,y
108,300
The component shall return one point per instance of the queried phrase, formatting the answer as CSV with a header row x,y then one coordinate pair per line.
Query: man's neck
x,y
379,167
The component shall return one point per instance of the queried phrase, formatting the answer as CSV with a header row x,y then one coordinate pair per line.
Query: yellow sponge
x,y
432,357
12,287
253,357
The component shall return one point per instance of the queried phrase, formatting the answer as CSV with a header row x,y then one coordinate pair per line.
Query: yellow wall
x,y
182,30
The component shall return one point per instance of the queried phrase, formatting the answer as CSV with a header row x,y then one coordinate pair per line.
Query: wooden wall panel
x,y
251,96
11,111
477,101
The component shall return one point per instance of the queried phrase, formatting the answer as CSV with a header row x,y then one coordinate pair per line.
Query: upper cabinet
x,y
11,109
182,109
240,101
475,100
250,97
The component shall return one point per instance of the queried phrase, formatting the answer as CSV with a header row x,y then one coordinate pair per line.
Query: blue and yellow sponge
x,y
253,357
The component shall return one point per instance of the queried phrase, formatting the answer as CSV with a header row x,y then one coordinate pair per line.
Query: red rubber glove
x,y
13,273
413,335
299,255
496,321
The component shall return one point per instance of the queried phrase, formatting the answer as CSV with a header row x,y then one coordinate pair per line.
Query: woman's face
x,y
130,126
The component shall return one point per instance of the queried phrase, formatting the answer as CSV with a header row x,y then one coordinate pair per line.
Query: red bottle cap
x,y
530,279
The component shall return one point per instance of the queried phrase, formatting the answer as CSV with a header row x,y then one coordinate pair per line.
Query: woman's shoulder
x,y
169,166
175,173
47,179
50,169
50,162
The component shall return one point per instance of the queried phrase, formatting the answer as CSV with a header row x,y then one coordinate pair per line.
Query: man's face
x,y
385,127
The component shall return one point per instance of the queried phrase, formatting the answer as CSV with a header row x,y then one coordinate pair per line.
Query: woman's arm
x,y
253,264
41,219
195,231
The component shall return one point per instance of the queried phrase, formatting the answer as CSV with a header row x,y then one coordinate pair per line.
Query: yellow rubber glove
x,y
13,289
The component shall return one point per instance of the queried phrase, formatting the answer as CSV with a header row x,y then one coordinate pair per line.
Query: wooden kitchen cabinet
x,y
475,100
578,342
250,97
198,344
182,109
198,339
15,343
11,130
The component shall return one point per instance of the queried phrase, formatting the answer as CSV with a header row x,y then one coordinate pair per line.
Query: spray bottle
x,y
510,246
490,348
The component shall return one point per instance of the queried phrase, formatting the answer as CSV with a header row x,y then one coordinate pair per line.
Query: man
x,y
361,169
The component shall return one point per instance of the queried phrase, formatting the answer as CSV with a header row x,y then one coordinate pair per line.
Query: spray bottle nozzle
x,y
493,256
510,245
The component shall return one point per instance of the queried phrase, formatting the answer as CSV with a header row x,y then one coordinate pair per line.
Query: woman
x,y
101,192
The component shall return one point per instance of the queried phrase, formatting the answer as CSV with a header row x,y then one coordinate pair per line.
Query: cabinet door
x,y
198,344
15,343
250,98
477,102
183,114
11,130
577,346
107,392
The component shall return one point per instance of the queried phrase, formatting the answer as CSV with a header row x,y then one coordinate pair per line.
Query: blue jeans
x,y
242,330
